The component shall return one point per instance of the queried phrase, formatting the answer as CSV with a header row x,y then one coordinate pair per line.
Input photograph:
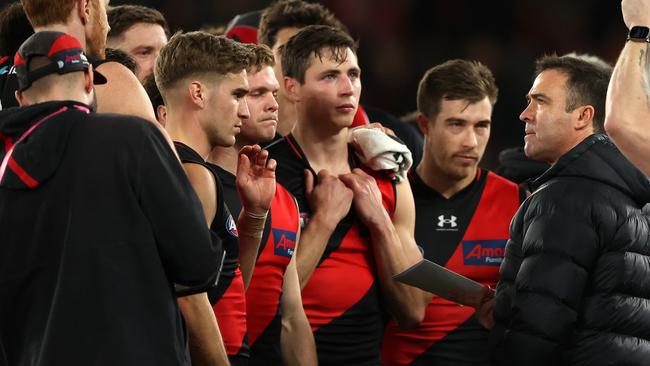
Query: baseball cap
x,y
63,51
243,27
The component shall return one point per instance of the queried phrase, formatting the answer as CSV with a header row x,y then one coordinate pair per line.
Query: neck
x,y
286,118
71,29
324,150
58,96
184,126
442,183
225,157
579,138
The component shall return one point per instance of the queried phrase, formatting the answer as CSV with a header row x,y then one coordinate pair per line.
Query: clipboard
x,y
447,284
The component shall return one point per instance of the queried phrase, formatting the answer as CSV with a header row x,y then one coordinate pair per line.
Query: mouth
x,y
346,108
466,158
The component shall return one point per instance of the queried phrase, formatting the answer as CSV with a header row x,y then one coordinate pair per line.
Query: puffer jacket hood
x,y
602,164
33,140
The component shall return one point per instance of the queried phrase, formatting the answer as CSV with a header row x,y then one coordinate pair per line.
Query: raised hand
x,y
367,197
330,199
255,179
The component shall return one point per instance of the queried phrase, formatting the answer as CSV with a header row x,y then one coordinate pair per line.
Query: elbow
x,y
410,319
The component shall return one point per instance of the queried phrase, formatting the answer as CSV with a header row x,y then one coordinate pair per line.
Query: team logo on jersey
x,y
231,227
284,242
483,252
447,223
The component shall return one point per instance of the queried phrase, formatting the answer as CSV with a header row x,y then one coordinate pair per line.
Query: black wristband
x,y
638,34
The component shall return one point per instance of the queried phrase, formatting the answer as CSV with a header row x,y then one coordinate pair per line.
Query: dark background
x,y
401,39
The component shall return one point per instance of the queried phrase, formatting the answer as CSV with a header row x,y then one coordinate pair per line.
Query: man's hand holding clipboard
x,y
449,285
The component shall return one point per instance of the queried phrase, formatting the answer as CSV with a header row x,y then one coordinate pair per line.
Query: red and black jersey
x,y
227,298
342,298
466,233
278,242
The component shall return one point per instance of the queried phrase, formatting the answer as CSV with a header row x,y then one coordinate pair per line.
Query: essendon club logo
x,y
483,252
231,227
284,242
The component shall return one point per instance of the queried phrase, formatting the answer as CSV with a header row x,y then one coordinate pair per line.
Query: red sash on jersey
x,y
230,311
265,288
478,257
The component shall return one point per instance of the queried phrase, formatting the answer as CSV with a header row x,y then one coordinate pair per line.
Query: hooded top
x,y
574,284
97,223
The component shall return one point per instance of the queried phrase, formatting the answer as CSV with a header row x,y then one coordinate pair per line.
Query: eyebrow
x,y
240,91
538,96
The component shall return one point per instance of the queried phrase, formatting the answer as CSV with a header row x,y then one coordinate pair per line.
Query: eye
x,y
355,74
329,77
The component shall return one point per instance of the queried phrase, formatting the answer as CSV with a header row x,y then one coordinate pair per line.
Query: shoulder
x,y
123,93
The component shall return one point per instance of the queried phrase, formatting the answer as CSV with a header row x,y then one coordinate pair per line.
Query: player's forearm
x,y
313,241
205,342
250,228
297,341
628,104
393,255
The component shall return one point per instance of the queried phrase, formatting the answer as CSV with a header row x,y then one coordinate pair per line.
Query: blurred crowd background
x,y
400,39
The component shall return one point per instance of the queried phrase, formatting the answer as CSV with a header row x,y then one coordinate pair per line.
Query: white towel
x,y
381,152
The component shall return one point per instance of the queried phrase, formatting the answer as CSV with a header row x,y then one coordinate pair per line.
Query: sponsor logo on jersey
x,y
447,223
483,252
284,242
231,227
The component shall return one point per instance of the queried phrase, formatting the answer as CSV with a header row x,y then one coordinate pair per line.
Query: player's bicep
x,y
204,186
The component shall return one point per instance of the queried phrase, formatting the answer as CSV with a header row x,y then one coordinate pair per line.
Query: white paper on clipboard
x,y
440,281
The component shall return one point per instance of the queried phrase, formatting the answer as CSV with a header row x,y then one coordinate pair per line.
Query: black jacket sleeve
x,y
190,256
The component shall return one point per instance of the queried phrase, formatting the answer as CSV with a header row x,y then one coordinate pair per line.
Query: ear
x,y
197,93
84,10
584,117
88,79
423,123
292,87
161,113
20,98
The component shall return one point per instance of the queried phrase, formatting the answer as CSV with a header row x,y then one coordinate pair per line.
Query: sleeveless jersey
x,y
342,298
227,298
466,233
263,313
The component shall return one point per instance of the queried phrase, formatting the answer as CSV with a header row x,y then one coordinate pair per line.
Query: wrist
x,y
639,34
251,224
322,221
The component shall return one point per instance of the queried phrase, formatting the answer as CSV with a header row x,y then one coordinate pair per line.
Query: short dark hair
x,y
312,40
293,13
587,82
261,56
151,88
453,80
196,53
14,28
121,57
123,17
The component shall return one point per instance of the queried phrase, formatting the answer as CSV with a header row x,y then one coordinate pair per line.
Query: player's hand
x,y
485,310
367,197
636,12
329,199
255,179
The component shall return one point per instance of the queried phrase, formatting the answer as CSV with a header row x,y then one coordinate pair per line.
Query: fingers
x,y
309,181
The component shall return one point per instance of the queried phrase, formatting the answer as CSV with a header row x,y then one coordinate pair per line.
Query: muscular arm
x,y
628,98
297,340
206,344
393,245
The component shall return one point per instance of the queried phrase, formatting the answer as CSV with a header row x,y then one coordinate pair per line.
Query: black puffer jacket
x,y
575,280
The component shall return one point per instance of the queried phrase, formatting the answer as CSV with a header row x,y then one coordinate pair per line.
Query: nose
x,y
470,139
242,109
346,86
272,105
527,114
